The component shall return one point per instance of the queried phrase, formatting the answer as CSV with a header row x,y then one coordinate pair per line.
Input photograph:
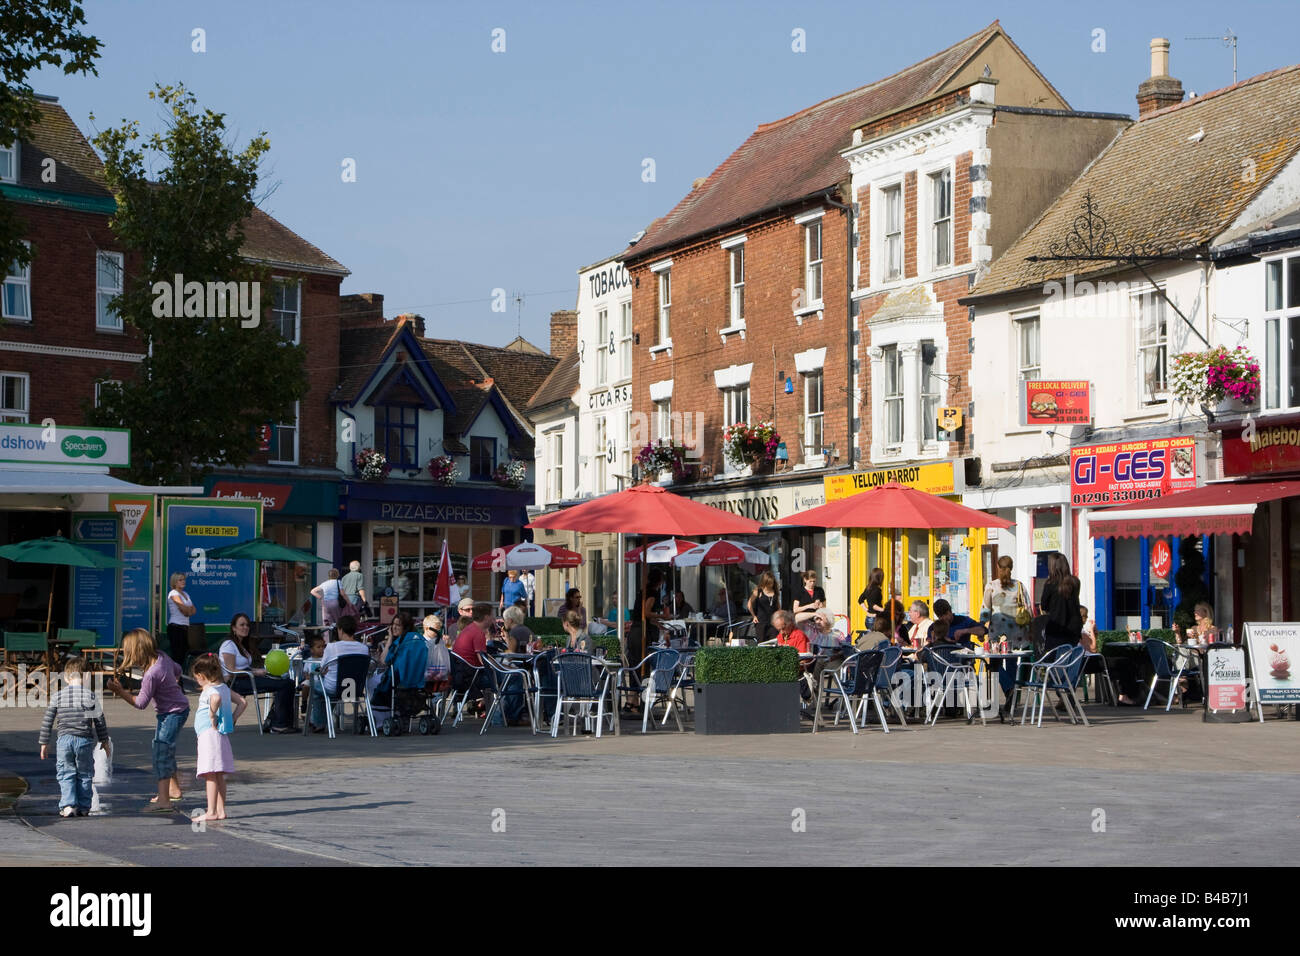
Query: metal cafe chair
x,y
950,668
577,685
854,679
1164,671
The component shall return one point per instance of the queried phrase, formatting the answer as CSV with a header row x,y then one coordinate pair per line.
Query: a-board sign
x,y
1226,679
1274,649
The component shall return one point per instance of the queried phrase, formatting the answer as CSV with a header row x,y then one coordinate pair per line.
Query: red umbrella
x,y
645,509
723,552
894,506
442,589
660,552
526,556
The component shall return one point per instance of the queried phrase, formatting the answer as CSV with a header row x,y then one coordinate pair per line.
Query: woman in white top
x,y
1003,599
179,611
240,653
330,593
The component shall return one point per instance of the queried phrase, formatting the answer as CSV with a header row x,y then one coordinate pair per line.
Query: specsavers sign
x,y
50,444
936,479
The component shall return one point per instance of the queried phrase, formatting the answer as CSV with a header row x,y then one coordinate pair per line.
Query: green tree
x,y
33,35
208,381
1190,579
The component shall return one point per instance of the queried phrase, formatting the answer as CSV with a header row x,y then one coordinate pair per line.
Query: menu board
x,y
1274,655
1226,678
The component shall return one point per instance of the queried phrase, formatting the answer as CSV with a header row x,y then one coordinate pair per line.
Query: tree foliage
x,y
208,382
33,35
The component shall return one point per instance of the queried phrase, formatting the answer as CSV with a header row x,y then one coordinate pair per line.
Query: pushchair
x,y
404,687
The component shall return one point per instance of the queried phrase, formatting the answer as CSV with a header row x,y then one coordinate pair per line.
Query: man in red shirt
x,y
788,635
472,640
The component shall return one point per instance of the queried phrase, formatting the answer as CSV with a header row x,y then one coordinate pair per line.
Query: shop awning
x,y
1226,508
19,481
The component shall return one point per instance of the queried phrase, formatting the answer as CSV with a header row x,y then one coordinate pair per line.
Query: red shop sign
x,y
1270,449
1055,403
1123,472
1162,559
273,497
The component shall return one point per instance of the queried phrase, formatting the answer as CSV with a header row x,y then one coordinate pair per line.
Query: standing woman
x,y
1006,600
763,603
872,597
179,611
330,593
1060,603
160,684
808,599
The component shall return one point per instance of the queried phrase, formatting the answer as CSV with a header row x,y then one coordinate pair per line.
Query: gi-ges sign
x,y
1131,471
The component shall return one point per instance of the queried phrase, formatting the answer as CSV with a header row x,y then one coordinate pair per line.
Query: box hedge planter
x,y
747,690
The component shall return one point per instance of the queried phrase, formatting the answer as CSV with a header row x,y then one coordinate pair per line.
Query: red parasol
x,y
646,509
661,552
526,556
894,506
442,589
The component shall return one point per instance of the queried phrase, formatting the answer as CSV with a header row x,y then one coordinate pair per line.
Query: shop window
x,y
396,432
482,458
918,566
288,584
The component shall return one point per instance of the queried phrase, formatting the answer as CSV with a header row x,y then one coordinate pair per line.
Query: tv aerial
x,y
1229,39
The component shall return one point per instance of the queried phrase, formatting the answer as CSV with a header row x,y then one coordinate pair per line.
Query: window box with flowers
x,y
443,470
753,445
511,474
372,465
660,458
1220,379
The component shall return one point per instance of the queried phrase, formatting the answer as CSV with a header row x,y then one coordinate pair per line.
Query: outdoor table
x,y
1017,656
702,624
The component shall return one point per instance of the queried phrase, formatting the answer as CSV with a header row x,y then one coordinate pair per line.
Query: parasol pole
x,y
622,575
49,610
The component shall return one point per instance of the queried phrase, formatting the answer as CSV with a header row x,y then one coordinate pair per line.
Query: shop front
x,y
298,513
396,531
922,565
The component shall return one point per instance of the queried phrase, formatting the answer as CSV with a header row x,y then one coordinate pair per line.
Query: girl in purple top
x,y
160,684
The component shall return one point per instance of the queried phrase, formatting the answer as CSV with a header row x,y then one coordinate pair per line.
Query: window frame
x,y
927,375
664,419
600,436
1160,346
602,347
14,160
99,388
23,281
664,327
16,415
886,192
732,399
556,488
277,438
476,444
813,450
1280,369
736,288
384,426
1022,324
101,304
813,271
282,282
625,340
893,354
941,224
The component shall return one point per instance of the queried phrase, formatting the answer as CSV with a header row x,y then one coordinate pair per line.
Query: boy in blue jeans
x,y
77,720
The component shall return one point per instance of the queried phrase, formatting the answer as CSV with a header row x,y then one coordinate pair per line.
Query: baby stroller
x,y
403,686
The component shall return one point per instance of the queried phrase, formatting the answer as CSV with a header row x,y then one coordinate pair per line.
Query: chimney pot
x,y
1159,57
1160,89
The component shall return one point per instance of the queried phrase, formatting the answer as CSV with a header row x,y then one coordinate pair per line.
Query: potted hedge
x,y
747,690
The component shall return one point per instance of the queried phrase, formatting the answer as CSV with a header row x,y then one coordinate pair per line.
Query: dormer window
x,y
482,458
9,163
396,434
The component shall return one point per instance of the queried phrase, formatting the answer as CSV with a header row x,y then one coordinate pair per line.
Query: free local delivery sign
x,y
50,444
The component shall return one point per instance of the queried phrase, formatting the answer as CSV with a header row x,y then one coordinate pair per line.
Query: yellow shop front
x,y
925,565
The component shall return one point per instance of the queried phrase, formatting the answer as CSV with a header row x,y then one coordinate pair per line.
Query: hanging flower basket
x,y
372,465
511,474
753,445
1208,378
660,457
443,471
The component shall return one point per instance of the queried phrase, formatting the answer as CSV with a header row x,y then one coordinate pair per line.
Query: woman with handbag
x,y
1007,602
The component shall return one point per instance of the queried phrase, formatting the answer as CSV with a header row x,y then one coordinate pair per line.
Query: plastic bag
x,y
103,767
439,662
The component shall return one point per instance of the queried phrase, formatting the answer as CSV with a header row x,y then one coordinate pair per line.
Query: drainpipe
x,y
848,318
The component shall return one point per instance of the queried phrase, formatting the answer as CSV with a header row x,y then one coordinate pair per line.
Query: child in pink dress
x,y
214,722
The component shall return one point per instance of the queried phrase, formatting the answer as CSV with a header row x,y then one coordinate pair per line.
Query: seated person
x,y
875,639
518,636
573,602
918,617
464,617
787,634
473,638
1088,636
960,628
721,607
939,636
346,645
311,664
821,630
683,609
578,638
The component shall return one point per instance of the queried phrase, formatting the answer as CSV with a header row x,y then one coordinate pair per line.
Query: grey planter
x,y
747,708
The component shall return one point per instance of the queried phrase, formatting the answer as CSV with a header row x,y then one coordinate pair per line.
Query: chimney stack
x,y
361,309
564,332
417,321
1160,89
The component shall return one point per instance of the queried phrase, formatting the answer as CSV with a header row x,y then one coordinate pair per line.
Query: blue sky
x,y
479,170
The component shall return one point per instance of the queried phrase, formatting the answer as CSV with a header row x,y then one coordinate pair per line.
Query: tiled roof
x,y
269,240
459,372
77,168
360,350
1174,180
560,385
799,156
517,374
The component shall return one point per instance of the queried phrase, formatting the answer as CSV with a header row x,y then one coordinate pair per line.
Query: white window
x,y
1152,350
555,476
598,456
664,419
893,232
102,388
604,343
893,369
625,341
284,441
812,252
737,255
9,163
1028,365
735,405
108,285
286,311
941,218
813,415
665,306
14,397
1282,333
17,298
929,392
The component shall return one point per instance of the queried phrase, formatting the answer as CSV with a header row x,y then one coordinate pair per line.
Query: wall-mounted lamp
x,y
789,386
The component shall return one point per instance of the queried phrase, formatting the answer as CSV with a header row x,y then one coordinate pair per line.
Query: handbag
x,y
1023,616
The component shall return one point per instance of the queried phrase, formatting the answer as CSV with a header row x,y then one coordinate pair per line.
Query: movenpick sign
x,y
50,444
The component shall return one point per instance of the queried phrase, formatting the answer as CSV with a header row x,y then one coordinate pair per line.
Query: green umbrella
x,y
56,550
262,549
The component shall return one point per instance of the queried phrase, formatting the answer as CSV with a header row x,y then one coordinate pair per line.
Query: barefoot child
x,y
161,685
214,722
77,720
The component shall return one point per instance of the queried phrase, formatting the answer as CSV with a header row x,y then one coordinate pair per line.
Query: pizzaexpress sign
x,y
50,444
